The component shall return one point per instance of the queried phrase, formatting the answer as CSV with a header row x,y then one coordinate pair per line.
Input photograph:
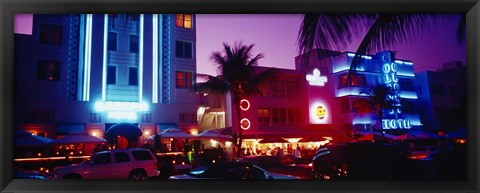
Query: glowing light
x,y
399,62
122,115
102,106
95,133
244,104
87,58
194,132
318,113
396,124
71,153
155,58
293,140
408,95
213,161
104,71
245,124
39,154
146,132
228,144
140,62
408,74
213,142
315,79
362,56
408,63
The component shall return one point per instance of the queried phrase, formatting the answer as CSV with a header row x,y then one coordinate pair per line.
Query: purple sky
x,y
276,37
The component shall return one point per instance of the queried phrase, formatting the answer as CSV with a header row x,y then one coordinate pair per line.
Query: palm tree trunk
x,y
239,137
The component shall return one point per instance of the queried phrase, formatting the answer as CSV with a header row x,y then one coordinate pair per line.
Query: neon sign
x,y
315,79
245,124
396,124
321,112
244,104
391,80
121,110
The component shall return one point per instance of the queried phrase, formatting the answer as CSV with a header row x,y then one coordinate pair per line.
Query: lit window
x,y
111,75
112,41
356,80
183,49
184,20
184,79
50,34
134,43
264,117
133,76
48,70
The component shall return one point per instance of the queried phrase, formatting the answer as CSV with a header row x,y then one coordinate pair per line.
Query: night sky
x,y
276,37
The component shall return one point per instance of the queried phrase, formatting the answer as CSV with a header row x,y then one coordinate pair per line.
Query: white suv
x,y
131,163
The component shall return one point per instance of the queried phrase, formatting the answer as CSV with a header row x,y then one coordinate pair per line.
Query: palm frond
x,y
212,85
330,31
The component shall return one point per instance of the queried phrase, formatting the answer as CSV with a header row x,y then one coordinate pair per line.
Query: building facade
x,y
443,106
315,99
91,71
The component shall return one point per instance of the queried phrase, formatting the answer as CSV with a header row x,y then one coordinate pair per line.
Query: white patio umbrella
x,y
78,137
213,134
26,139
174,133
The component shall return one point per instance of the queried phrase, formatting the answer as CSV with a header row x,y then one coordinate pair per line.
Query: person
x,y
298,154
280,152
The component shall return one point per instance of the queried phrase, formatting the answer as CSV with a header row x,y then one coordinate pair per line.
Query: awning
x,y
67,128
163,126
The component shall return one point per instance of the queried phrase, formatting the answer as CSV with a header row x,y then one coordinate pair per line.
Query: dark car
x,y
231,170
448,163
365,161
25,174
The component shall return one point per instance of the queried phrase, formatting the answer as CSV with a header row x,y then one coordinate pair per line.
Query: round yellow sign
x,y
321,112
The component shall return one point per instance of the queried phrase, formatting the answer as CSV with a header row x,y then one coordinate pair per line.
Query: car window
x,y
142,155
120,157
258,173
237,172
102,158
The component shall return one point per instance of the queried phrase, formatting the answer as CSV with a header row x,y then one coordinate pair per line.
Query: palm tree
x,y
335,31
377,100
237,76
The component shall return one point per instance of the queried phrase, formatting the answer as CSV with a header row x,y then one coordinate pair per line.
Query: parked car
x,y
448,163
366,161
173,165
26,174
231,170
131,163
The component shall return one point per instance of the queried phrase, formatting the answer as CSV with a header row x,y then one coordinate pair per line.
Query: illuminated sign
x,y
244,104
321,112
121,110
396,124
245,124
318,112
391,80
315,79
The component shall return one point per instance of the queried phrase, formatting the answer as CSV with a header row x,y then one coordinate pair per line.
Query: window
x,y
345,105
356,80
133,76
134,43
50,34
142,155
183,49
437,89
111,75
279,117
184,79
112,41
120,157
103,158
294,117
278,88
48,70
264,117
184,20
292,88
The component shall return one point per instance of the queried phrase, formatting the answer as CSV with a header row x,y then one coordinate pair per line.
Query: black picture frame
x,y
10,7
